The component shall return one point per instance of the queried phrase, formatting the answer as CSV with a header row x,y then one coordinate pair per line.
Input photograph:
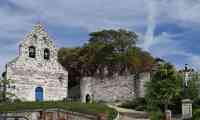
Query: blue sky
x,y
169,29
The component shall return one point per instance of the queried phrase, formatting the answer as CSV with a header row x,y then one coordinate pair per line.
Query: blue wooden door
x,y
39,94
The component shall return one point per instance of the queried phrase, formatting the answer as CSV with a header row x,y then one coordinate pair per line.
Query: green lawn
x,y
92,109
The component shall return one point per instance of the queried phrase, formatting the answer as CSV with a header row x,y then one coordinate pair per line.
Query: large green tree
x,y
106,53
108,50
165,86
121,40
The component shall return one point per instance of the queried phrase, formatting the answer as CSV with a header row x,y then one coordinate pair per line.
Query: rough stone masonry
x,y
115,88
36,73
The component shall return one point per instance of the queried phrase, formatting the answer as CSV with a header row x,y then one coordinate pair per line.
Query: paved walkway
x,y
127,114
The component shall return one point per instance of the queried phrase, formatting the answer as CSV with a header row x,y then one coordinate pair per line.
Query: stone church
x,y
36,73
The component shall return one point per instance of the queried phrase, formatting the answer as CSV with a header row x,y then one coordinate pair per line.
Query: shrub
x,y
196,114
158,115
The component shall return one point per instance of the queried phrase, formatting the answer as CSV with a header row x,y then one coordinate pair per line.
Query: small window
x,y
32,51
46,54
44,38
35,36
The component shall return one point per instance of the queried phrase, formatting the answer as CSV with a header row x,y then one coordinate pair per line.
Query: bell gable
x,y
37,51
38,45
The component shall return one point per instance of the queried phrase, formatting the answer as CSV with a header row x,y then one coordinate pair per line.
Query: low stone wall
x,y
51,114
108,89
115,88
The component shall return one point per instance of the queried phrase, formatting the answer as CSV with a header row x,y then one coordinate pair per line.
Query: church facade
x,y
36,73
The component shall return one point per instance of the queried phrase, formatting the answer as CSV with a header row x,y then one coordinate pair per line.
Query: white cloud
x,y
90,14
151,25
93,15
165,45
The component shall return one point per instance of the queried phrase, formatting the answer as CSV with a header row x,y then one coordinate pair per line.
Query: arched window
x,y
32,51
35,36
46,54
44,38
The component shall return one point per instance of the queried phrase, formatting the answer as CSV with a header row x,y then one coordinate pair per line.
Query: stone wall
x,y
29,73
116,88
56,114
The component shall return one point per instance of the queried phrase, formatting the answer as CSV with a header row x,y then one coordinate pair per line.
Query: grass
x,y
92,109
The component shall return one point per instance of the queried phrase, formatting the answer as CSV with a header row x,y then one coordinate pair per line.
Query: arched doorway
x,y
39,94
87,98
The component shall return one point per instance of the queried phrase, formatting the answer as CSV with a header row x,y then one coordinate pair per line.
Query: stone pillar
x,y
140,84
186,109
168,115
55,115
34,116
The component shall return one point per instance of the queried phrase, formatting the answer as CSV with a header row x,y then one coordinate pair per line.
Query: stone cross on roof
x,y
39,27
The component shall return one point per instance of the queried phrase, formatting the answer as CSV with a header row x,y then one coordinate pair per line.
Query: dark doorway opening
x,y
87,98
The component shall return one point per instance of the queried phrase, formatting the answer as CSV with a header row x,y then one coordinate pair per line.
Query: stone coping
x,y
187,101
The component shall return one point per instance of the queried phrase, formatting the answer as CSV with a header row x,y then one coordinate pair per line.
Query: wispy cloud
x,y
151,24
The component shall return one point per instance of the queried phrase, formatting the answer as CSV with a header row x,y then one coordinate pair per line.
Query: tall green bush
x,y
164,87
